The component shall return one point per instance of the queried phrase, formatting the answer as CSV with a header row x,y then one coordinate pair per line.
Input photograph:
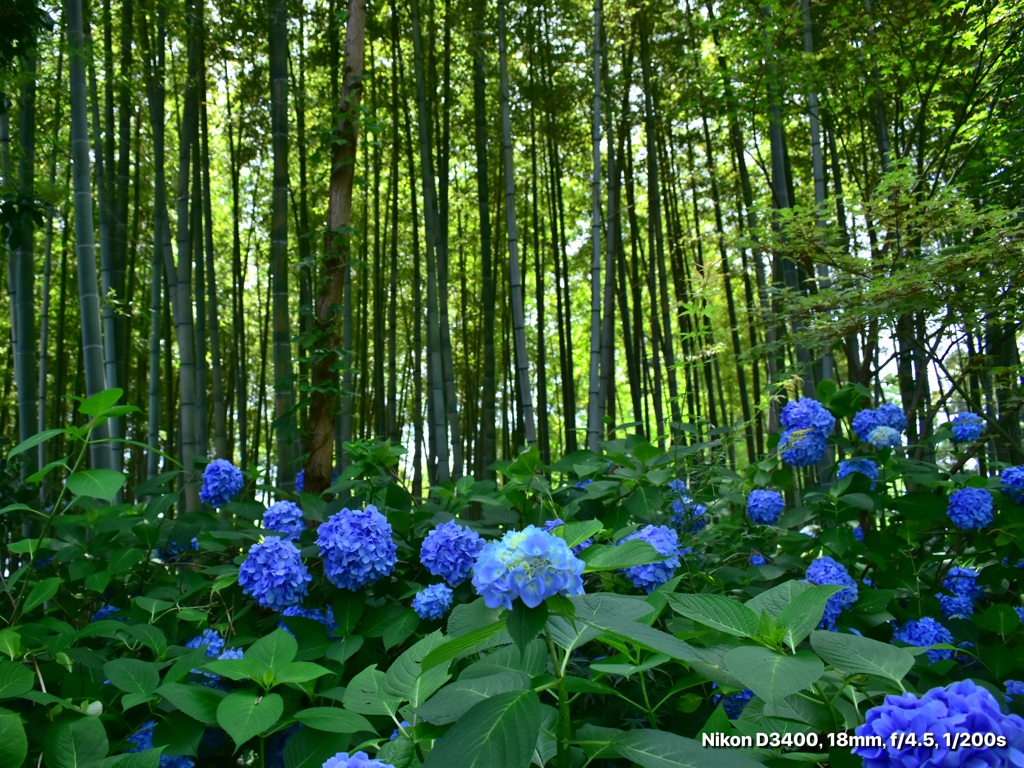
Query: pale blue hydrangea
x,y
963,582
357,547
285,518
1011,482
967,427
273,574
210,639
550,525
143,740
652,575
970,508
802,447
885,437
232,653
924,632
887,415
865,467
765,507
807,414
433,602
323,617
450,550
892,416
956,607
356,760
529,564
222,481
1014,688
961,707
825,570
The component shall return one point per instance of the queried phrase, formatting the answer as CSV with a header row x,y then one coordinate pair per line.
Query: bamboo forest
x,y
467,383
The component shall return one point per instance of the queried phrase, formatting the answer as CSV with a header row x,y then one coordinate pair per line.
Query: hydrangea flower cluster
x,y
758,559
887,415
273,574
970,508
285,518
174,550
807,424
433,602
956,607
865,467
961,707
450,550
550,525
324,617
765,507
143,740
395,733
687,515
105,612
858,533
357,547
735,703
885,437
924,632
1011,482
530,564
356,760
222,481
210,639
967,427
300,481
652,575
825,570
806,413
581,485
1014,688
963,582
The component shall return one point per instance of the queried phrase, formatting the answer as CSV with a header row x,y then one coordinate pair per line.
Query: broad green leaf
x,y
13,742
272,653
133,675
399,630
301,672
20,508
233,669
862,655
15,679
772,675
75,742
308,748
462,644
365,694
524,624
405,677
348,609
570,634
243,714
100,402
124,559
804,612
36,439
35,477
661,749
333,720
197,701
456,699
628,554
626,607
718,612
500,732
178,734
647,637
999,618
149,758
774,601
130,700
575,532
10,642
42,592
96,483
342,650
467,617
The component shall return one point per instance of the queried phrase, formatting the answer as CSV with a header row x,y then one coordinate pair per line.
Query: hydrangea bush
x,y
597,611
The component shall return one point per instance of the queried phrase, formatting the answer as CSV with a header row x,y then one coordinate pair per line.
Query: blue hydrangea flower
x,y
963,582
858,533
582,484
888,415
143,740
961,707
970,508
865,467
300,481
864,422
1020,612
285,518
1014,688
892,416
765,507
550,525
956,607
807,414
105,612
210,639
357,547
1011,482
273,574
324,617
967,427
357,760
222,481
885,437
395,733
652,575
802,447
174,551
450,550
825,570
232,653
529,564
687,515
735,703
758,559
433,602
924,632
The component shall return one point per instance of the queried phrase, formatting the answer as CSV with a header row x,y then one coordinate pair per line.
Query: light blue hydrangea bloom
x,y
433,602
285,518
273,574
1014,688
357,547
885,437
765,507
924,632
1011,482
865,467
450,550
652,575
967,427
687,515
825,570
970,508
888,415
222,481
530,564
356,760
210,639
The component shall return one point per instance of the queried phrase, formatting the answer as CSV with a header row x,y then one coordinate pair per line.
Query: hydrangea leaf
x,y
408,680
300,672
244,714
96,483
365,694
309,748
272,653
334,720
462,644
524,624
499,732
772,675
75,742
453,701
133,675
717,611
661,749
626,555
15,679
197,701
862,655
13,742
775,600
804,612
